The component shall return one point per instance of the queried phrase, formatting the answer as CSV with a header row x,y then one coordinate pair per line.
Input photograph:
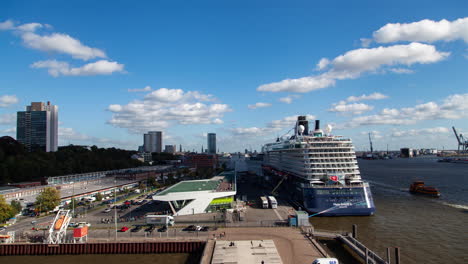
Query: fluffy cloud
x,y
401,70
259,105
9,131
146,89
372,96
7,119
7,25
60,43
70,136
424,31
7,100
57,68
289,99
354,109
452,107
354,63
419,132
163,107
269,129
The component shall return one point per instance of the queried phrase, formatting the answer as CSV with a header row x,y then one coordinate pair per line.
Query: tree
x,y
48,199
6,211
98,197
16,207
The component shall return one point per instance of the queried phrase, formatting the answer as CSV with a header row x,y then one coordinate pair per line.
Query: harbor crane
x,y
462,142
370,141
58,228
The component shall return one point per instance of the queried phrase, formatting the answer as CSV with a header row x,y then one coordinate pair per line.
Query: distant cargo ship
x,y
418,187
318,170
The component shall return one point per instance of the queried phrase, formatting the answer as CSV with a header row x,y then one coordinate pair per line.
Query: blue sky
x,y
241,69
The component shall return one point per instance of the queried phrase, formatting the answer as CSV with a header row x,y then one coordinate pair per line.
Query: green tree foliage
x,y
18,165
98,197
6,211
48,199
16,207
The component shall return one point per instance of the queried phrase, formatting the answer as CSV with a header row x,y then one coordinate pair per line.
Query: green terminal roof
x,y
194,186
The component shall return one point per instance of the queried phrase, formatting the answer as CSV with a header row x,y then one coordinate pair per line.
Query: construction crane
x,y
58,228
370,141
462,143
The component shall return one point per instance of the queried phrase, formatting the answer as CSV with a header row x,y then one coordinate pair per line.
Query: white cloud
x,y
57,68
61,43
7,119
353,109
269,129
30,27
419,132
375,134
259,105
424,31
354,63
164,107
7,100
401,70
146,89
323,63
452,107
7,25
373,96
9,131
70,136
289,99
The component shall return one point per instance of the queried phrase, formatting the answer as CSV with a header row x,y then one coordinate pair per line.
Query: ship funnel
x,y
302,121
317,124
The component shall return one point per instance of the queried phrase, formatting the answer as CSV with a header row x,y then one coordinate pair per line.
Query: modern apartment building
x,y
212,143
37,127
152,142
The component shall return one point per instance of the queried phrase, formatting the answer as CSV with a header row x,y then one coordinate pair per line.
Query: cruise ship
x,y
319,171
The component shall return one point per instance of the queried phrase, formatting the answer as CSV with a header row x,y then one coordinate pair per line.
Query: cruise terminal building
x,y
200,196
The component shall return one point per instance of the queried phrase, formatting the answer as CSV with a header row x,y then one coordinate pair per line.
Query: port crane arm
x,y
456,135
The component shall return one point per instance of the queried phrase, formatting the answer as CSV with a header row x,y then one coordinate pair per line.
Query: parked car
x,y
190,228
136,229
107,210
205,229
81,224
162,229
150,228
124,229
72,224
2,229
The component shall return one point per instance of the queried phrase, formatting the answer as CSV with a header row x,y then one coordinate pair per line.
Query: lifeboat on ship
x,y
418,187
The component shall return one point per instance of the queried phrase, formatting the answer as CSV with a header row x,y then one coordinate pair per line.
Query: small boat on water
x,y
418,187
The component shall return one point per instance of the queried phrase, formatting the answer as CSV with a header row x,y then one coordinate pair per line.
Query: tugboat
x,y
418,187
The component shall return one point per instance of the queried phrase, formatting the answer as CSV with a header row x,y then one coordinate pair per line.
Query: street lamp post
x,y
115,207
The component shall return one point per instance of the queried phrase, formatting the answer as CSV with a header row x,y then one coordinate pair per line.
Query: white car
x,y
198,228
325,261
107,210
81,224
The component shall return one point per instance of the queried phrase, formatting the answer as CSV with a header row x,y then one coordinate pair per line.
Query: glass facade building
x,y
37,127
212,143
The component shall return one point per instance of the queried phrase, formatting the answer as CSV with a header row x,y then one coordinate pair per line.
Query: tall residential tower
x,y
212,143
152,142
37,127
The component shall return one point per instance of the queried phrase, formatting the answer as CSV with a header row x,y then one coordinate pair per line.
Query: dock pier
x,y
365,254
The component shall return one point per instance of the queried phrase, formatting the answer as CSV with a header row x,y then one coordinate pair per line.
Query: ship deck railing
x,y
335,185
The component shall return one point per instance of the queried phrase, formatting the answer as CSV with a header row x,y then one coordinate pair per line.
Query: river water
x,y
428,230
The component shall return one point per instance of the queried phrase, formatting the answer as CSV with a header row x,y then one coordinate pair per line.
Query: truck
x,y
160,220
264,202
273,202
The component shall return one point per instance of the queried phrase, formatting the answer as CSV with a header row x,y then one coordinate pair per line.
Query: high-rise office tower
x,y
37,127
152,142
212,143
